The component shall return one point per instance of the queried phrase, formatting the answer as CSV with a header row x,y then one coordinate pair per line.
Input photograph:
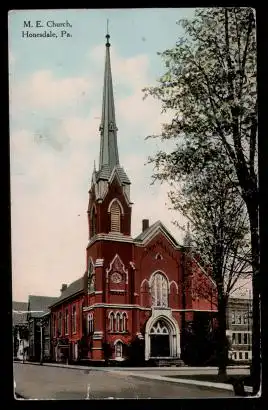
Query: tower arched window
x,y
115,217
159,290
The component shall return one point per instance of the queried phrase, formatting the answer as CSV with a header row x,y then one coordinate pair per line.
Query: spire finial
x,y
107,35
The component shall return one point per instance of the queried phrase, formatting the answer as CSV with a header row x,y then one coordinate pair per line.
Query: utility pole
x,y
41,342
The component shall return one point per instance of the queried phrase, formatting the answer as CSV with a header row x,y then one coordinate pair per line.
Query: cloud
x,y
43,90
52,155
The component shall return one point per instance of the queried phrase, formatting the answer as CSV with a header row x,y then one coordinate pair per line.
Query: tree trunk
x,y
222,338
256,335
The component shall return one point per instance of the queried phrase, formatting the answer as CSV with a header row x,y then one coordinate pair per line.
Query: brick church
x,y
138,294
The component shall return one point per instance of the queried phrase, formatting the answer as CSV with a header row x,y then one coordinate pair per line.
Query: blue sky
x,y
55,101
55,107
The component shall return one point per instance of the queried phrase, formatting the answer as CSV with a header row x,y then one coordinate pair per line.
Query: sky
x,y
55,107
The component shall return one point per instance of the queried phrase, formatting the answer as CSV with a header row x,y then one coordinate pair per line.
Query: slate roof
x,y
106,171
74,288
19,318
39,305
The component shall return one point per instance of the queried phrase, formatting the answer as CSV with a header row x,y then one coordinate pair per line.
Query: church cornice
x,y
111,237
128,306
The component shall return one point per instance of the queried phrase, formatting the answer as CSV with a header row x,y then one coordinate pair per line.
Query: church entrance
x,y
160,340
162,336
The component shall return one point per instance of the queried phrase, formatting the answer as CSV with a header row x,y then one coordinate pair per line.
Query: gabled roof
x,y
19,313
38,305
152,231
74,288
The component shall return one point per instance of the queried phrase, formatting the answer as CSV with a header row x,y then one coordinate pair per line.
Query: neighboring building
x,y
45,327
20,330
66,321
138,294
239,329
37,308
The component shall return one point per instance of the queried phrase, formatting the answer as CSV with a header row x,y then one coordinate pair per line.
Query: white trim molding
x,y
177,287
117,260
99,262
118,290
127,306
119,203
114,306
111,236
174,332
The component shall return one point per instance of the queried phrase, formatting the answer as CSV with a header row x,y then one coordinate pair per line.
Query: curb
x,y
221,386
127,369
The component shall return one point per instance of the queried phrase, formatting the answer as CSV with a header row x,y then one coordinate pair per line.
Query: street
x,y
44,382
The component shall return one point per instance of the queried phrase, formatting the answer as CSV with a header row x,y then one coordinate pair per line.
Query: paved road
x,y
44,382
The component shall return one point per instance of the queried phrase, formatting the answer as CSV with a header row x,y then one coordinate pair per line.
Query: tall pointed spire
x,y
108,145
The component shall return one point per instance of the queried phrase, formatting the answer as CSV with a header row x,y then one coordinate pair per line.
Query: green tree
x,y
210,86
219,239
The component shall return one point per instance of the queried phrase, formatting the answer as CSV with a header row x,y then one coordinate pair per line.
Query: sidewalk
x,y
186,369
141,373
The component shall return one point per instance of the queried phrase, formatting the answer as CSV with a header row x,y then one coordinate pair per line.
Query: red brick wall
x,y
62,308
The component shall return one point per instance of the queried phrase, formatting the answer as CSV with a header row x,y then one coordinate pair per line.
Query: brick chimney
x,y
63,287
145,224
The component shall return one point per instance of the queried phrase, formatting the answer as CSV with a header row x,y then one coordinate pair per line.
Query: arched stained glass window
x,y
159,290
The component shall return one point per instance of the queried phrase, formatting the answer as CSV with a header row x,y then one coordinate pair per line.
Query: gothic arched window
x,y
117,322
159,290
118,350
115,217
111,317
90,323
124,322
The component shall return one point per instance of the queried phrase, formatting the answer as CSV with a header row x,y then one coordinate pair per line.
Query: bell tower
x,y
110,246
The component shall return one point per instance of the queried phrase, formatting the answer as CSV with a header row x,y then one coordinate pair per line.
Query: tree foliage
x,y
210,86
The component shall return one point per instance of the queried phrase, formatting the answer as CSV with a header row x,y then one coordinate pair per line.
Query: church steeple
x,y
108,130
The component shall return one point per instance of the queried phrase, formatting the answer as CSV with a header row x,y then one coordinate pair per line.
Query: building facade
x,y
38,306
239,329
20,330
137,294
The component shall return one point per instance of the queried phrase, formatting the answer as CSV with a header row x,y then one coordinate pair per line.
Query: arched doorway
x,y
160,339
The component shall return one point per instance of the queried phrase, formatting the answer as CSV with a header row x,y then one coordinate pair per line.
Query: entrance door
x,y
160,346
160,340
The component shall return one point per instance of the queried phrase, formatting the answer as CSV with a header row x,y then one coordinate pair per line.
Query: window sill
x,y
113,332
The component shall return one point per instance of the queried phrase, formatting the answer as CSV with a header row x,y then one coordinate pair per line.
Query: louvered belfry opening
x,y
115,217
